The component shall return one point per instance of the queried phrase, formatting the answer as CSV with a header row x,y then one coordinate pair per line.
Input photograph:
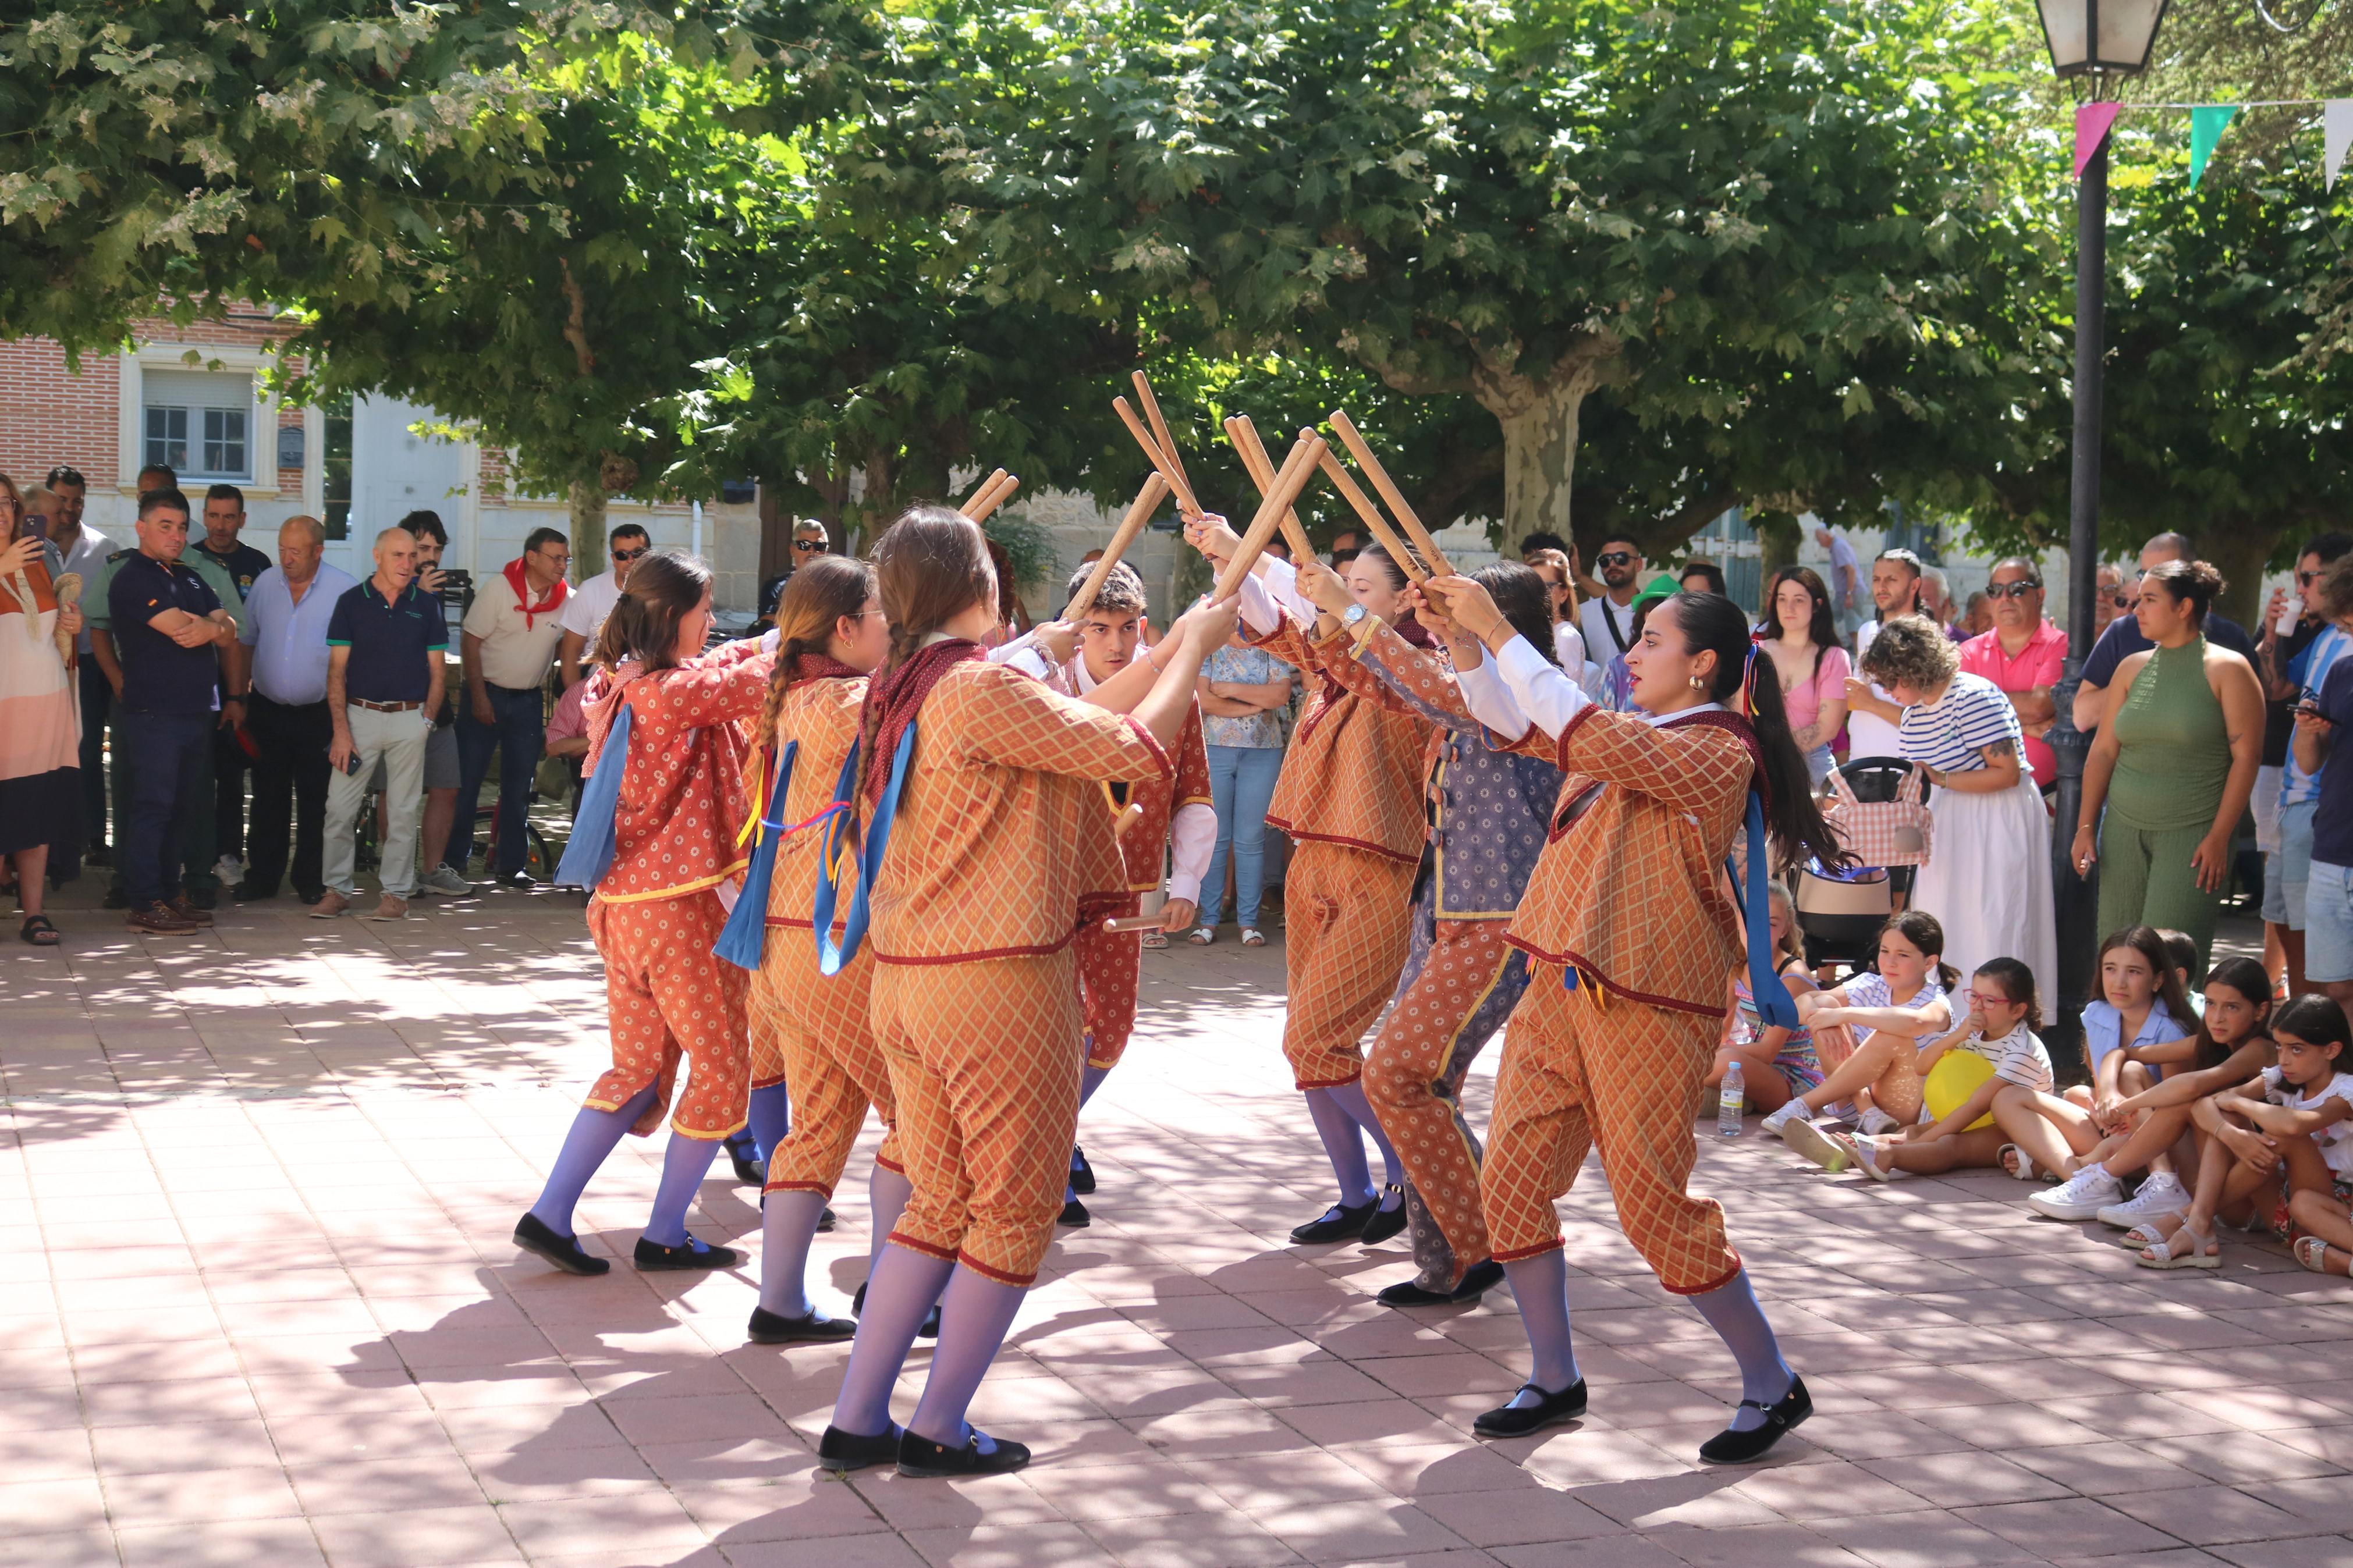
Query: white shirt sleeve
x,y
1024,653
1489,701
575,617
1547,696
1192,834
1262,611
1282,582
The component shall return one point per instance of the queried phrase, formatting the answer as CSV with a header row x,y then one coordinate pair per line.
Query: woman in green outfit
x,y
2174,766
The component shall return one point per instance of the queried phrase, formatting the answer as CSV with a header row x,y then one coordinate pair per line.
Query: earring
x,y
1697,684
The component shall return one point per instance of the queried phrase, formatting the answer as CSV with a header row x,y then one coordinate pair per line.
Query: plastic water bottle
x,y
1728,1103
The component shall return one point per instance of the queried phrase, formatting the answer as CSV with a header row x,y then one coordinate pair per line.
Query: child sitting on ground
x,y
1887,1013
1775,1062
2298,1117
2004,1012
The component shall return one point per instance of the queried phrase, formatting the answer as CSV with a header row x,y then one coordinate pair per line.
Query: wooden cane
x,y
991,495
1160,459
1372,518
1147,501
1179,480
1133,923
1296,470
1390,493
1260,469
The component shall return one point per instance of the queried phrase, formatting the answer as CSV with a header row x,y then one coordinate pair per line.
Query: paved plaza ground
x,y
259,1307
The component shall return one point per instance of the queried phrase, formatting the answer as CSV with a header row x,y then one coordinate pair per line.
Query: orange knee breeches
x,y
1347,927
1110,965
984,1058
1581,1069
667,996
816,1034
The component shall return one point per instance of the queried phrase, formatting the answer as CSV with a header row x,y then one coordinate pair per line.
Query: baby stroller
x,y
1840,913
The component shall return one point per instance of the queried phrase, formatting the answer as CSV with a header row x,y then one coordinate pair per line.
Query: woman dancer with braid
x,y
1462,979
1631,925
986,843
1350,797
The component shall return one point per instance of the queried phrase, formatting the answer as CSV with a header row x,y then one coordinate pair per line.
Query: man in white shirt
x,y
510,638
1607,620
1895,577
587,605
287,612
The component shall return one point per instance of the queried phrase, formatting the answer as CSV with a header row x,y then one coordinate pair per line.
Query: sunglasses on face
x,y
631,554
2011,590
2120,601
1616,558
810,546
2307,579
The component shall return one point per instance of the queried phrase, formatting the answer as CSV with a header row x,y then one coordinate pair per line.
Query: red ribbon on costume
x,y
555,595
891,701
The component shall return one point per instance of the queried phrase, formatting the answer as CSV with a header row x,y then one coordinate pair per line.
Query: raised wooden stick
x,y
1178,481
1160,459
1297,469
995,493
996,476
1244,436
1390,493
1371,516
1147,501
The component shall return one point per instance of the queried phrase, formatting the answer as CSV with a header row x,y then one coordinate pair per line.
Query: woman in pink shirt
x,y
1801,635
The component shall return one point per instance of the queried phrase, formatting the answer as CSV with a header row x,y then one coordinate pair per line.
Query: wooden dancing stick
x,y
1390,493
1177,481
1372,518
1244,436
980,489
994,492
1133,923
1147,501
1161,461
1296,470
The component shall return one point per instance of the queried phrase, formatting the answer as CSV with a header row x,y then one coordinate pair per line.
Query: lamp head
x,y
2101,36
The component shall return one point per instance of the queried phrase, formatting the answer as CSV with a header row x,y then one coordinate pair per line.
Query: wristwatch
x,y
1352,615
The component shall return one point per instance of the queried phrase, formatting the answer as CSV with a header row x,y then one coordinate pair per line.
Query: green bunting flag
x,y
2205,130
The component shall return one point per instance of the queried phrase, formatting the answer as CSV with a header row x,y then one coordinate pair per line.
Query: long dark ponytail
x,y
1710,623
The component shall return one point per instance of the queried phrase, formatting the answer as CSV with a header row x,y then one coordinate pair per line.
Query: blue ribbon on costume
x,y
1775,1005
747,932
865,862
588,852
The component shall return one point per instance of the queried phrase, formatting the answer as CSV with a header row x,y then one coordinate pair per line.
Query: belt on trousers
x,y
383,707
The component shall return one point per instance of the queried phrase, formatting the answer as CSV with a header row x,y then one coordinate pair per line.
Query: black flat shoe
x,y
842,1452
1341,1221
931,1329
1074,1214
1732,1446
1385,1223
921,1458
1082,1175
533,1235
1477,1281
816,1328
747,1170
1550,1410
825,1222
652,1256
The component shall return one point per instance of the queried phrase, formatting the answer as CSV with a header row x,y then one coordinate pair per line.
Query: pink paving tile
x,y
2207,1516
1350,1531
1196,1541
805,1507
413,1536
76,1549
237,1544
2067,1527
1740,1546
1384,1420
2323,1503
650,1522
390,1486
189,1446
1516,1517
2242,1457
2309,1552
1008,1546
161,1403
59,1505
1931,1539
200,1497
847,1552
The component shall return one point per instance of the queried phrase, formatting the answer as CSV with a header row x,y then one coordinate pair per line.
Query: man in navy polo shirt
x,y
168,628
383,680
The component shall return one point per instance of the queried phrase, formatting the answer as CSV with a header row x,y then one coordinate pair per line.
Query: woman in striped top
x,y
1988,873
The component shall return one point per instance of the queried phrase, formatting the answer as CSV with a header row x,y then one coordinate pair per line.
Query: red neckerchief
x,y
555,595
821,667
891,701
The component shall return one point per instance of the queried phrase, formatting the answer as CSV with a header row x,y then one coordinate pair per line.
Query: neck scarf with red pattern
x,y
822,667
891,701
556,594
1406,626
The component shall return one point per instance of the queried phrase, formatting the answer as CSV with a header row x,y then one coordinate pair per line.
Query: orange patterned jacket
x,y
1354,775
1629,890
681,805
1002,840
822,715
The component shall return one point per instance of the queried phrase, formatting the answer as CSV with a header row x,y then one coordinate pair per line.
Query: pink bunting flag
x,y
2092,123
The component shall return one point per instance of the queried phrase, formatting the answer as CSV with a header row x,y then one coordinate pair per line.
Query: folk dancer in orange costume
x,y
1350,797
1631,920
666,800
1462,980
1177,819
985,846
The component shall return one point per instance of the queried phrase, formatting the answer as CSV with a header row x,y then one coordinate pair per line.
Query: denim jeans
x,y
1241,783
518,734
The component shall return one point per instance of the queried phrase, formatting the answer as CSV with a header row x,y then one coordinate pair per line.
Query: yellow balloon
x,y
1954,1078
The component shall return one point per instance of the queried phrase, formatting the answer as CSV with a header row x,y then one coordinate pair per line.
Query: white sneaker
x,y
2081,1196
443,879
229,869
1817,1145
2161,1194
1877,1124
1777,1121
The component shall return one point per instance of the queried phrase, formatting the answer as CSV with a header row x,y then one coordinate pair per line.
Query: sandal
x,y
39,931
2312,1251
1253,937
2014,1160
2150,1234
2185,1248
1201,936
1156,939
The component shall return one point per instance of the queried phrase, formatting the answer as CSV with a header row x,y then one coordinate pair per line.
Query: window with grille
x,y
198,424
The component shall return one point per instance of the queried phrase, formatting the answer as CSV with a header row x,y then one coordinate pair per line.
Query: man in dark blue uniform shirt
x,y
168,628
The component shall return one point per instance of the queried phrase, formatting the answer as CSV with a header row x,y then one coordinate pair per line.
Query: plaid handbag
x,y
1883,832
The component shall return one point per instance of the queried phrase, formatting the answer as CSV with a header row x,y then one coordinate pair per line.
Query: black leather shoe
x,y
253,893
816,1328
1732,1446
922,1457
1341,1221
1477,1281
745,1157
931,1329
842,1452
1550,1410
116,899
520,881
534,1234
825,1222
652,1256
1385,1223
1074,1214
1082,1175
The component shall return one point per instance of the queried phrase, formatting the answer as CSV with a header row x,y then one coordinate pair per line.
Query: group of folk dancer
x,y
942,836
